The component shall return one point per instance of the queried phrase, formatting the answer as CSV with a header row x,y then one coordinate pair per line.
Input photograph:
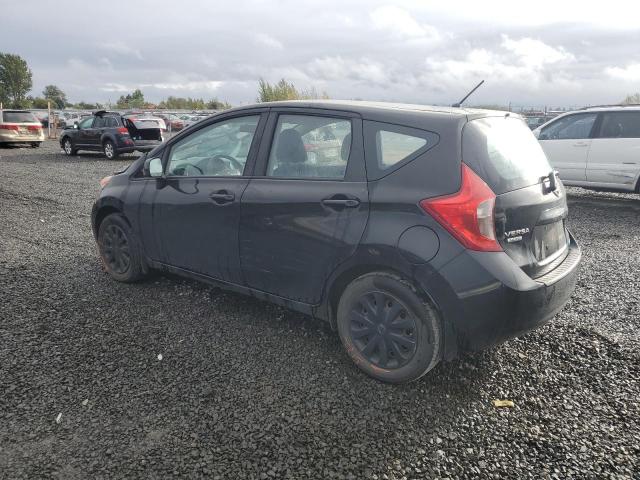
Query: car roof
x,y
366,108
608,108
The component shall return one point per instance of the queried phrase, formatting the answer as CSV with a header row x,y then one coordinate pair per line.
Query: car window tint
x,y
389,146
110,122
572,127
620,125
18,117
306,146
98,122
220,149
395,147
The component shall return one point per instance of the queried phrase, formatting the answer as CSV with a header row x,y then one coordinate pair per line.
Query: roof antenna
x,y
457,105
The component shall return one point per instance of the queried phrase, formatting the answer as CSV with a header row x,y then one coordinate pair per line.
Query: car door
x,y
306,207
85,132
614,156
566,143
196,204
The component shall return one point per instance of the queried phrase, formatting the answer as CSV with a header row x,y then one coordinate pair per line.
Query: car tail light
x,y
123,130
34,127
6,126
468,214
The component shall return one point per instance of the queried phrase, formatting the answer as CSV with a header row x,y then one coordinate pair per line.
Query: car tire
x,y
120,250
109,150
35,145
389,332
67,146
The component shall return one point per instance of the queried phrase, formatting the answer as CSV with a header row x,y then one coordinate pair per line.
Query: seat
x,y
290,155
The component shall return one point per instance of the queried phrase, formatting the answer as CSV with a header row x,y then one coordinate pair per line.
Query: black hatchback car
x,y
417,232
111,133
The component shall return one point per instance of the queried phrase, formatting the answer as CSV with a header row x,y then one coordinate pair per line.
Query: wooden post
x,y
49,119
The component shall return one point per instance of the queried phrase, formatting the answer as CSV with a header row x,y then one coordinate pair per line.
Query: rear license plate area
x,y
548,239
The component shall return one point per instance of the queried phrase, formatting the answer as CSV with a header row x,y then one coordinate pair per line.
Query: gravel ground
x,y
243,389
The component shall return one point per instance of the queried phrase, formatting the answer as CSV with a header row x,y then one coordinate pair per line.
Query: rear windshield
x,y
18,117
504,152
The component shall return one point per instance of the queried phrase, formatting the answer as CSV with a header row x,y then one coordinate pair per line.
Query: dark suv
x,y
417,232
112,134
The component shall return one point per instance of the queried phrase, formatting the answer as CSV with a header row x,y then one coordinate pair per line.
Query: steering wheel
x,y
195,167
237,165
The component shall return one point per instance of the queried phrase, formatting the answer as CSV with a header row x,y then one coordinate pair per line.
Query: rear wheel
x,y
119,249
110,150
67,146
387,330
35,145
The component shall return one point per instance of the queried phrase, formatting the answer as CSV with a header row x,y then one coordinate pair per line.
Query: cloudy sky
x,y
556,53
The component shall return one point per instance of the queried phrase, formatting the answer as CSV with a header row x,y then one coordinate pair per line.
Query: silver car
x,y
20,126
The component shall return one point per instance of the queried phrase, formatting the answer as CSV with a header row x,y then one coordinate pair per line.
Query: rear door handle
x,y
222,197
341,202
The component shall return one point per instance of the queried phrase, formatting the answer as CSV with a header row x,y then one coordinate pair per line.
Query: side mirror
x,y
152,167
76,126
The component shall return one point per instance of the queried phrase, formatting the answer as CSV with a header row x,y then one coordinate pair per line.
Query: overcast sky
x,y
530,53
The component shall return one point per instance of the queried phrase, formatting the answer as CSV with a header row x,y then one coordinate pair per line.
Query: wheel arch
x,y
105,210
338,284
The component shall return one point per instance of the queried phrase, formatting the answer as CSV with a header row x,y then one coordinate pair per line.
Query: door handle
x,y
222,197
581,144
341,202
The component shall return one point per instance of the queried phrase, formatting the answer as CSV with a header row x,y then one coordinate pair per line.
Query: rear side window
x,y
110,122
620,125
504,153
571,127
18,117
307,146
99,122
389,146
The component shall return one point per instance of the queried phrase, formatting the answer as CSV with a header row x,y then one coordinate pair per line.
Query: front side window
x,y
218,150
86,123
620,125
306,146
572,127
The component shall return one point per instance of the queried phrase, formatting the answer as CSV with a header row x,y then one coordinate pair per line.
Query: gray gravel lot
x,y
249,390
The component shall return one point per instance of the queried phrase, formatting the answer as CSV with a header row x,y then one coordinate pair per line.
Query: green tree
x,y
131,100
215,104
632,99
57,97
39,102
88,106
284,90
15,80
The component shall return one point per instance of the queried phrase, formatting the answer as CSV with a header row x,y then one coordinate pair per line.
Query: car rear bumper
x,y
138,145
21,138
486,299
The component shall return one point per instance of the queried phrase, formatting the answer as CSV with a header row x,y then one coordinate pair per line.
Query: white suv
x,y
597,147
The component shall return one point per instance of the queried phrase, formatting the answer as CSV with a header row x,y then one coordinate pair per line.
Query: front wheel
x,y
119,249
110,150
387,329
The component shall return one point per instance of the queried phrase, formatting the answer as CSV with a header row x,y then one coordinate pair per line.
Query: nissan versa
x,y
417,232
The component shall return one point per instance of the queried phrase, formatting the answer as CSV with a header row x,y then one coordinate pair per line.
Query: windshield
x,y
504,152
18,117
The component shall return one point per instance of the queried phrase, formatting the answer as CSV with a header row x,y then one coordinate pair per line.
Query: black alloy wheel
x,y
115,248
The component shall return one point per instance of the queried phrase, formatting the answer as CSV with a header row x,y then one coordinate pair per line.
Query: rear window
x,y
18,117
504,152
